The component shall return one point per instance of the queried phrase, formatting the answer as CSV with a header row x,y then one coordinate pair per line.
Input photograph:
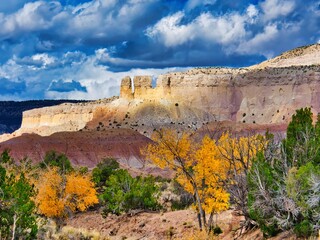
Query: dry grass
x,y
48,230
199,235
68,232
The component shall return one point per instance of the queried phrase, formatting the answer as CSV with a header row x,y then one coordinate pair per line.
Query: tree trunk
x,y
210,222
201,212
199,221
15,219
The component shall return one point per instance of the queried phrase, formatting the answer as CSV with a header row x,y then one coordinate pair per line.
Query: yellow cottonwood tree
x,y
80,192
50,197
176,151
171,149
239,154
59,195
240,151
210,172
206,170
197,168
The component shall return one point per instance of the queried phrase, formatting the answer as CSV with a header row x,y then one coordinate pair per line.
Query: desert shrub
x,y
198,235
184,200
83,170
217,230
284,184
103,170
172,195
171,232
183,203
55,159
303,229
123,193
48,230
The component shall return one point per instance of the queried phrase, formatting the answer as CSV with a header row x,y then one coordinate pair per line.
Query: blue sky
x,y
81,49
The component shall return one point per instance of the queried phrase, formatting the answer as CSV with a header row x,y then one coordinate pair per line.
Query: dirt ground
x,y
164,225
149,225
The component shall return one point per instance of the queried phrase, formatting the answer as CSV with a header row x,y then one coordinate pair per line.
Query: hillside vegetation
x,y
274,185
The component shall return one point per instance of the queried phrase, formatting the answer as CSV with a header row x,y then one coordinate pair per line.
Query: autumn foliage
x,y
59,195
206,170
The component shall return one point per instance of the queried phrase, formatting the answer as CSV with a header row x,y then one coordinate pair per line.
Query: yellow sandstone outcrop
x,y
64,117
126,88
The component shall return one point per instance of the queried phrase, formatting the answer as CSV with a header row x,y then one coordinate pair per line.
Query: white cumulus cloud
x,y
223,30
275,8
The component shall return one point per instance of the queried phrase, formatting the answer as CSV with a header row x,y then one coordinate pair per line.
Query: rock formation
x,y
11,112
126,88
263,95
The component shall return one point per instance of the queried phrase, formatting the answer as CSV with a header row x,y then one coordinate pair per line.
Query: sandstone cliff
x,y
11,112
265,96
267,93
261,96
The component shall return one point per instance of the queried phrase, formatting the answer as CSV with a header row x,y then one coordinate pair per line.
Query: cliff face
x,y
65,117
11,112
204,99
262,94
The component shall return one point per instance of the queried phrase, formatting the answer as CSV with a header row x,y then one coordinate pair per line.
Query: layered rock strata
x,y
263,94
203,99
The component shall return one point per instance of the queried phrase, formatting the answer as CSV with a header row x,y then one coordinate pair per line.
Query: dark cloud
x,y
62,86
180,58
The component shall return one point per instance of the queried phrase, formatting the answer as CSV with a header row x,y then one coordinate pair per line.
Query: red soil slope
x,y
85,148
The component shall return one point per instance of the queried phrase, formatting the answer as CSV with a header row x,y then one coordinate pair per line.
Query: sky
x,y
71,49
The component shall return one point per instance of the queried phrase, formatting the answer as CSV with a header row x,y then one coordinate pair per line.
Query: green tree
x,y
284,183
55,159
264,181
302,143
123,193
17,219
103,170
5,157
304,189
